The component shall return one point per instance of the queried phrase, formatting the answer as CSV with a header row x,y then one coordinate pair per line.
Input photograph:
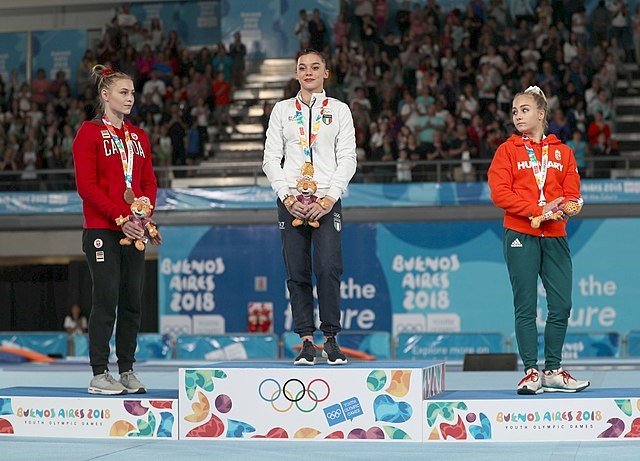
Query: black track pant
x,y
117,273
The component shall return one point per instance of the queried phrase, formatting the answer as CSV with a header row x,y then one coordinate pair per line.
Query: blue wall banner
x,y
59,50
357,196
26,203
586,345
267,26
261,25
219,271
447,346
376,344
54,344
227,347
149,346
442,277
633,343
13,55
197,23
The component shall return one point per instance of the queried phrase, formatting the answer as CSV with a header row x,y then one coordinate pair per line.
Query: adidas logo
x,y
516,244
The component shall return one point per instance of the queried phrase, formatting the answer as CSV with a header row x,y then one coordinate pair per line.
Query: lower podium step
x,y
71,412
362,400
503,416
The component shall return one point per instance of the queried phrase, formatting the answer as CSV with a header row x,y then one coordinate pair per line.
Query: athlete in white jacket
x,y
312,137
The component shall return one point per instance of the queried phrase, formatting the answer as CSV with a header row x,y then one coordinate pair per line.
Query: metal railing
x,y
221,174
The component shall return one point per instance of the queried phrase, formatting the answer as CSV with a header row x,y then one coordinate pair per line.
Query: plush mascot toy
x,y
307,188
141,210
569,208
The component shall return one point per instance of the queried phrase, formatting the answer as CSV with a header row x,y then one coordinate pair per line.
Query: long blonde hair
x,y
105,78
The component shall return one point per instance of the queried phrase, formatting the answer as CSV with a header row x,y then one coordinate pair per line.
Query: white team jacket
x,y
333,153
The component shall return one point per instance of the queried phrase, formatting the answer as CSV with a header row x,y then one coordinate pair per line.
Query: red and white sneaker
x,y
561,381
531,384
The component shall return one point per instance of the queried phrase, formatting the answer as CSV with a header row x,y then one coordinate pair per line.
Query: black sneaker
x,y
307,355
332,352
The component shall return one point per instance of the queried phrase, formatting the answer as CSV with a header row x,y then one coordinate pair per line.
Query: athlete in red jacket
x,y
99,174
112,162
515,190
533,175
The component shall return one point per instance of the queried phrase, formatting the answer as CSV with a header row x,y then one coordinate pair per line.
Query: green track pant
x,y
528,257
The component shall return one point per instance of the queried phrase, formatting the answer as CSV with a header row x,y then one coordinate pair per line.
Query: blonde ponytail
x,y
105,78
541,102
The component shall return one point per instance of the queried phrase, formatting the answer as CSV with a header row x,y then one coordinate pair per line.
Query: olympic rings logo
x,y
294,391
335,414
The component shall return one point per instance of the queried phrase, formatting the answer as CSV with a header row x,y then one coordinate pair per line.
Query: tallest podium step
x,y
276,400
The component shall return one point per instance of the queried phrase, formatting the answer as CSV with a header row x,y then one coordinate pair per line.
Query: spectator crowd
x,y
427,84
180,92
424,84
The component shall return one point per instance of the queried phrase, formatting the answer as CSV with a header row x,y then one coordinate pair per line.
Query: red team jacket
x,y
514,188
99,175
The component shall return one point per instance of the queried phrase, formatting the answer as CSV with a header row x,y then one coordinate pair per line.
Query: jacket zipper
x,y
310,128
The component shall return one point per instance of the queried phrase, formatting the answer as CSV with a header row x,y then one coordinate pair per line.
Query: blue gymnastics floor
x,y
164,376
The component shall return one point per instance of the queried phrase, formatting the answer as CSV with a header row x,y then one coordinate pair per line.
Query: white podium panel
x,y
362,400
504,416
72,413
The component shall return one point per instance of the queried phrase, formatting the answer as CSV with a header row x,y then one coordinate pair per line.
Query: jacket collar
x,y
314,97
548,139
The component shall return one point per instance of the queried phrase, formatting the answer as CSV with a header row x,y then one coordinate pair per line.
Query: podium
x,y
370,401
72,413
503,416
276,400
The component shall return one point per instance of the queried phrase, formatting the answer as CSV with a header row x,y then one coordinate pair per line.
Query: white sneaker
x,y
561,381
531,384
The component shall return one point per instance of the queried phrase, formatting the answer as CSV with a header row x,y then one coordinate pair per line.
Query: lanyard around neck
x,y
308,144
126,155
539,168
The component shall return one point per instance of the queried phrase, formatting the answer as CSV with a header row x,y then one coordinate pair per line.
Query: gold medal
x,y
129,196
307,169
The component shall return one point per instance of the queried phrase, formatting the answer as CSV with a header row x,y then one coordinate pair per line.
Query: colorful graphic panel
x,y
69,413
272,401
469,416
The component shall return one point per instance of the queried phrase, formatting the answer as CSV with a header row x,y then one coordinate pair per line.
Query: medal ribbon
x,y
539,168
306,146
127,159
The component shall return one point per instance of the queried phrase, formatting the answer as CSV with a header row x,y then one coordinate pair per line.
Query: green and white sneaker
x,y
131,382
531,384
561,381
106,384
